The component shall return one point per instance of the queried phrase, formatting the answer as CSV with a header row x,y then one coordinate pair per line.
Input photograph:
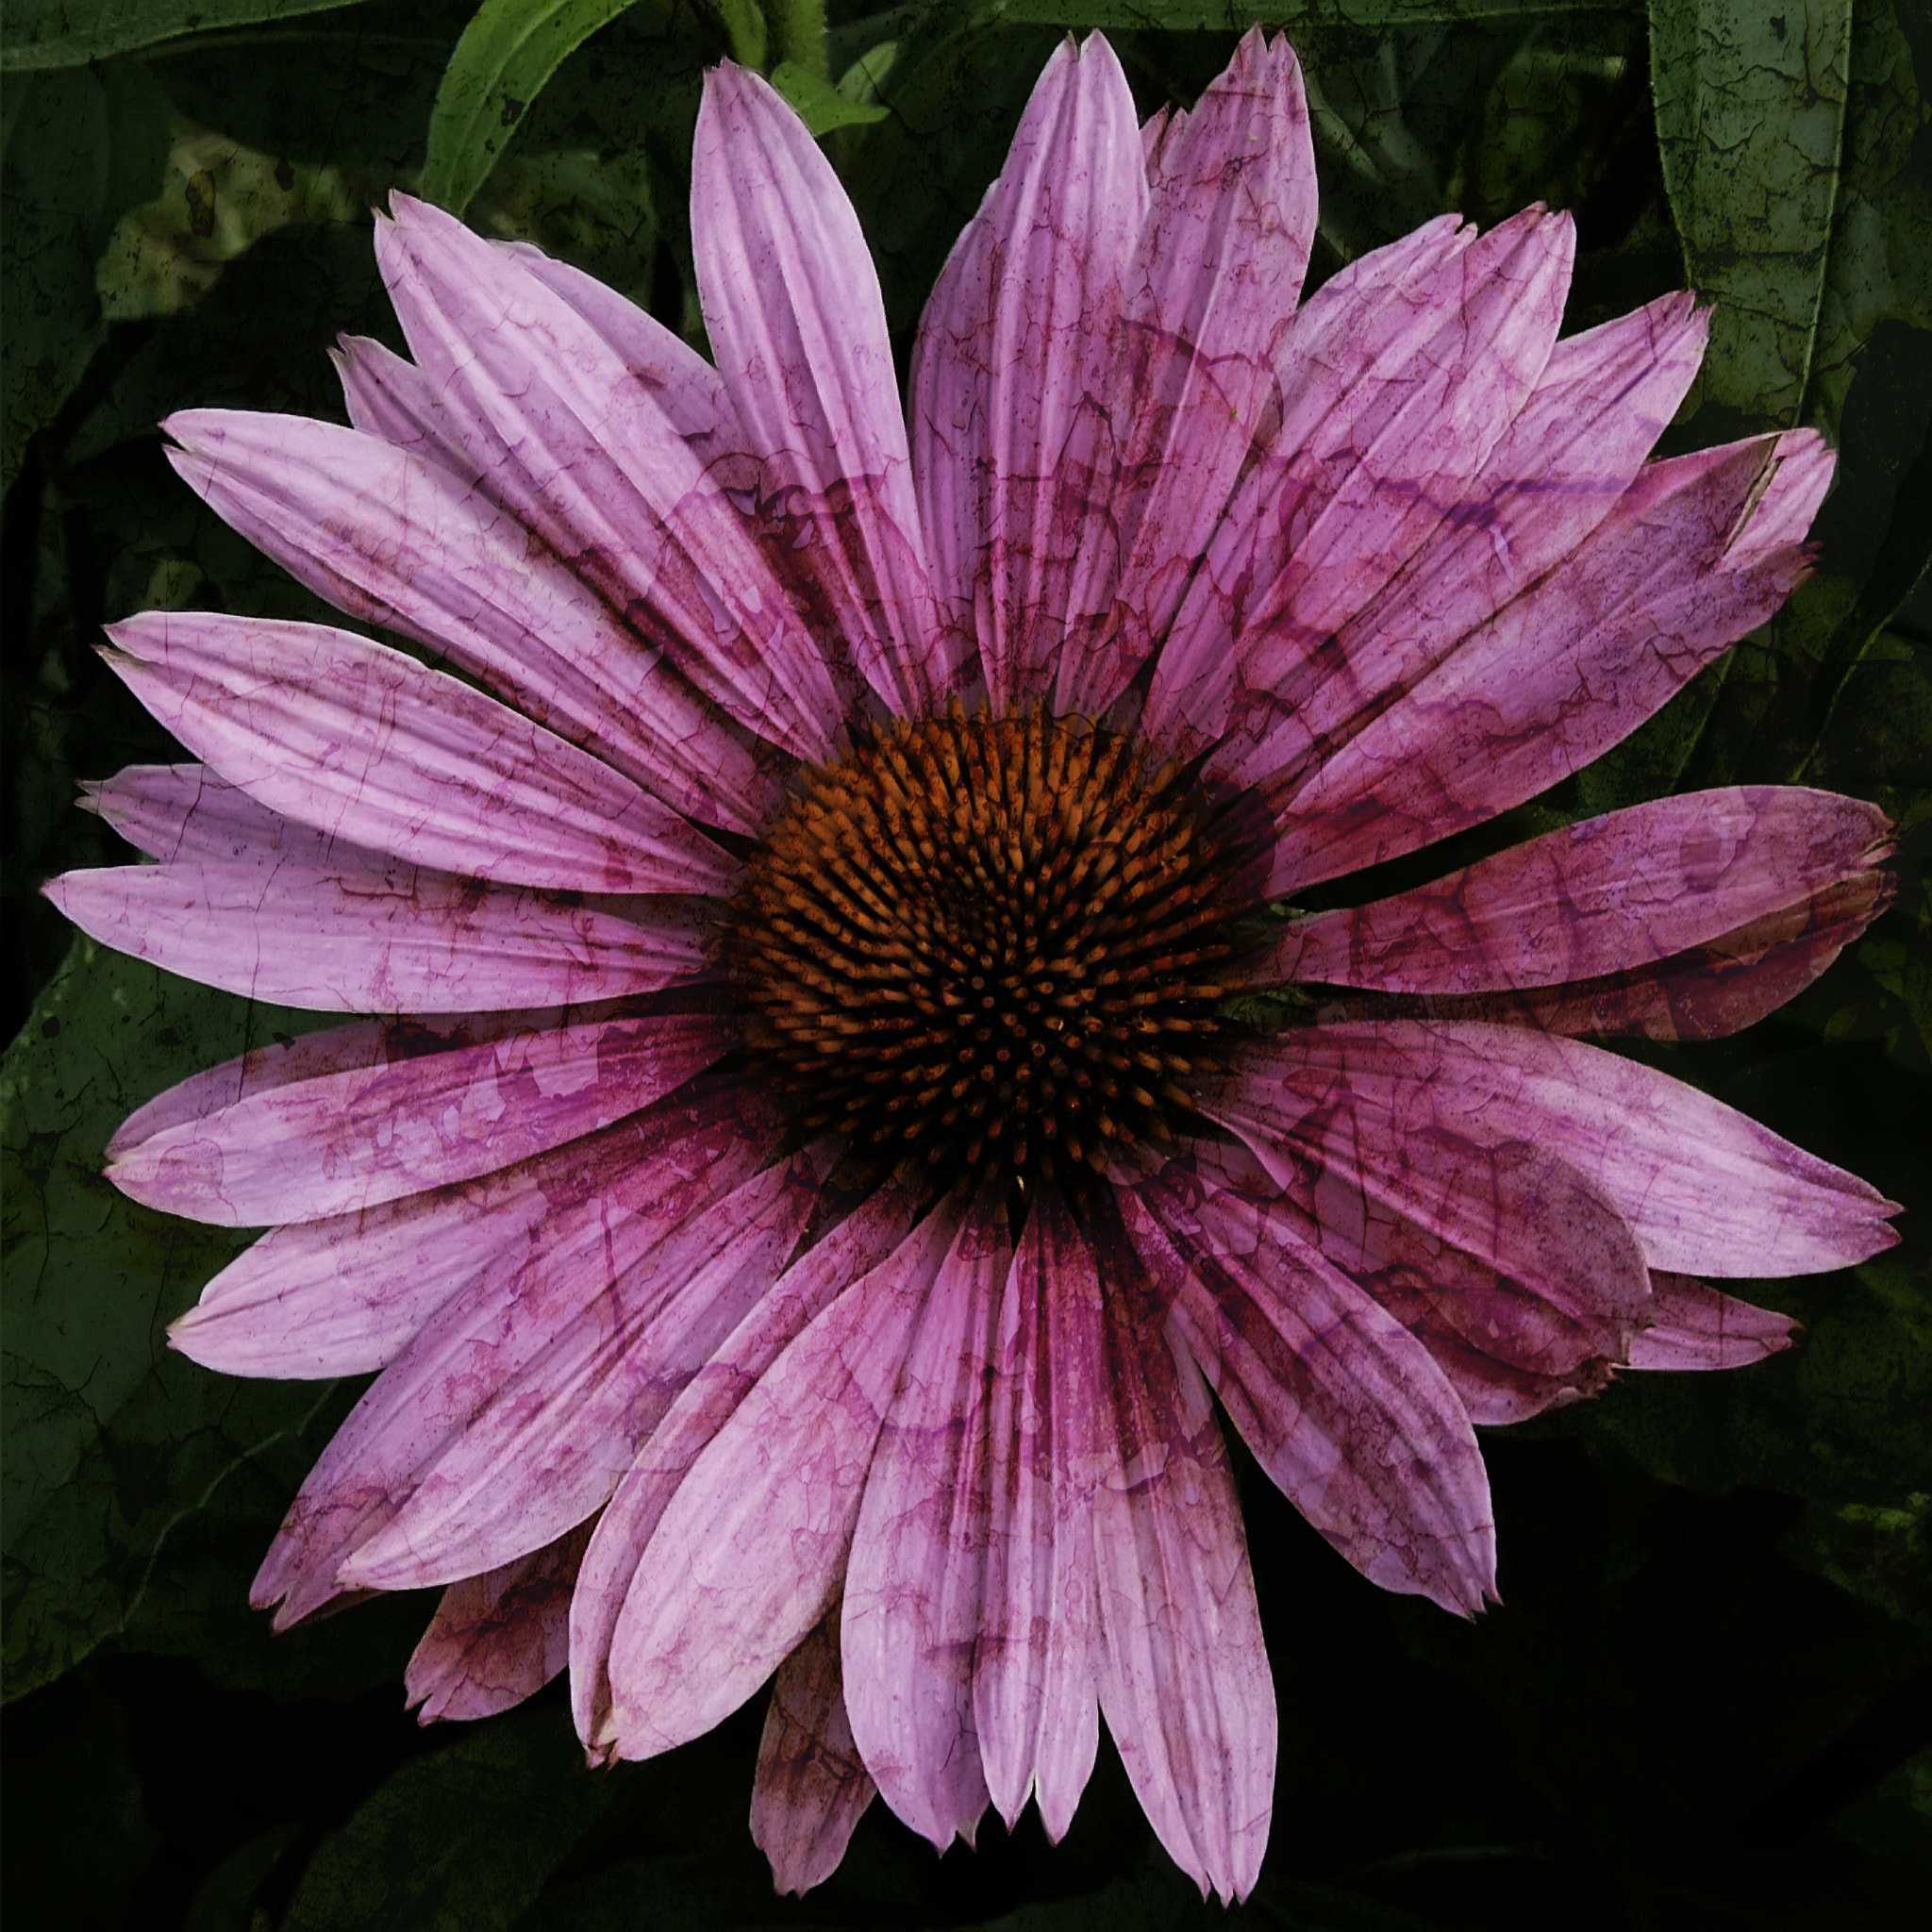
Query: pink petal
x,y
694,398
594,467
358,934
1033,1700
811,1786
499,1638
751,1550
1519,1275
344,1296
556,1432
402,537
1707,992
1213,291
339,1141
1554,474
792,306
1362,330
1703,1187
865,1240
683,1157
369,746
1620,892
1183,1673
1697,1327
1014,375
1571,667
914,1581
1345,1409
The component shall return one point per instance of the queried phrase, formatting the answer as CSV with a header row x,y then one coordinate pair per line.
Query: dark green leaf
x,y
460,1841
70,33
116,1446
1750,118
505,57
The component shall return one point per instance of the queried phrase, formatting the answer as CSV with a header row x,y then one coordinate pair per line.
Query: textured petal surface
x,y
498,1638
560,1428
1212,297
793,307
1343,1408
402,536
915,1581
813,1786
369,746
305,1148
1550,479
1183,1673
1698,551
1015,377
1703,1187
592,465
1034,1690
751,1550
867,1238
1600,897
684,1157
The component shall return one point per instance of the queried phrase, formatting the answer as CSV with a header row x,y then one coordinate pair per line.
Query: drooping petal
x,y
342,1296
1183,1673
498,1638
595,468
1698,551
1345,1409
397,533
1696,1328
1014,377
1035,1703
303,1149
792,306
1702,1186
915,1581
1609,894
684,1157
811,1786
1212,297
1520,1277
371,747
750,1551
1707,992
355,933
557,1429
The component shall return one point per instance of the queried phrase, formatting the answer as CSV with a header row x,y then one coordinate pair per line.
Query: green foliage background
x,y
1709,1699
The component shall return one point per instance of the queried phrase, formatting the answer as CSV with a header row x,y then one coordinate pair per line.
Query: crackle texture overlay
x,y
932,968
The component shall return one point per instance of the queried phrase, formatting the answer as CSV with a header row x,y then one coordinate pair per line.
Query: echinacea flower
x,y
831,1181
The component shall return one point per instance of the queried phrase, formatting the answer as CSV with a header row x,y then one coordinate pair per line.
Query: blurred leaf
x,y
1750,118
80,147
115,1445
1235,15
70,33
821,106
1880,1553
502,64
460,1841
218,199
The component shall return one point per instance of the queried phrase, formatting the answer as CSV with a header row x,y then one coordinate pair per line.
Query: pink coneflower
x,y
840,1178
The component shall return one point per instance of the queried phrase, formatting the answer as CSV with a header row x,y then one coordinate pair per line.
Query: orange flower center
x,y
994,942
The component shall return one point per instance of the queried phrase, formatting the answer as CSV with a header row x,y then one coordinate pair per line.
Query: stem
x,y
798,35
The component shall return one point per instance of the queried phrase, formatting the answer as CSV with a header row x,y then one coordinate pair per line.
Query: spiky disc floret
x,y
992,941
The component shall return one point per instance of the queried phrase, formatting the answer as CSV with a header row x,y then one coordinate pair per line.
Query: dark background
x,y
1708,1698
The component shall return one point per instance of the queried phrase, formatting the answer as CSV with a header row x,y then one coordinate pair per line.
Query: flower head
x,y
831,1167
